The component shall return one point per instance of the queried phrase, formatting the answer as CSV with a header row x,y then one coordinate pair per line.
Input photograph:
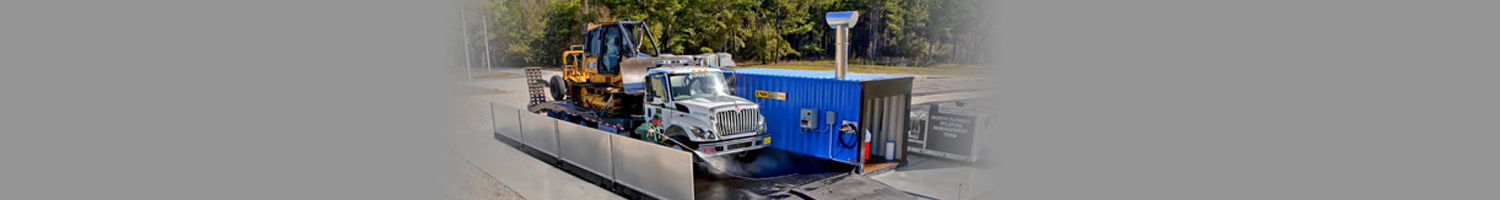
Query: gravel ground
x,y
929,83
470,107
471,110
471,102
467,182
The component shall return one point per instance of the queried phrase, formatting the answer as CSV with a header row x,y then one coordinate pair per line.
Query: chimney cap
x,y
844,18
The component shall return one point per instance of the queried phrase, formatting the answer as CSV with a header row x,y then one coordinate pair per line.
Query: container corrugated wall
x,y
805,89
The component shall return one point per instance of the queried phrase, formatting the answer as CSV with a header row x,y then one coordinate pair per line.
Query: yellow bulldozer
x,y
592,74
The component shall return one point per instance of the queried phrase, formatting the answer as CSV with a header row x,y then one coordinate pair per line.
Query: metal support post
x,y
468,67
487,56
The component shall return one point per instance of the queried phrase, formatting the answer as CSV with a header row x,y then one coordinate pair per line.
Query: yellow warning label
x,y
768,141
770,95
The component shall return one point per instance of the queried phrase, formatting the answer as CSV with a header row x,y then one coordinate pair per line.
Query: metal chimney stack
x,y
841,21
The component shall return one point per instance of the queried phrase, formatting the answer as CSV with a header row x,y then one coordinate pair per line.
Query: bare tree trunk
x,y
928,55
666,35
775,24
875,23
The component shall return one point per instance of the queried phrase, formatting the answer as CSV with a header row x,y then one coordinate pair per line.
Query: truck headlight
x,y
761,125
702,133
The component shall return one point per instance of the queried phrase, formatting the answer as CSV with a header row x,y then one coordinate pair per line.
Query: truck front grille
x,y
731,122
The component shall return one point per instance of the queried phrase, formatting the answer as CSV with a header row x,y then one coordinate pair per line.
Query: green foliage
x,y
535,32
563,19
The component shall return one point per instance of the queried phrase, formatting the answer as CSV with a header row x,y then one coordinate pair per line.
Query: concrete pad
x,y
941,179
528,176
852,186
467,182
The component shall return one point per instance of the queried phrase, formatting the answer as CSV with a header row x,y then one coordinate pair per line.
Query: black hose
x,y
842,141
846,144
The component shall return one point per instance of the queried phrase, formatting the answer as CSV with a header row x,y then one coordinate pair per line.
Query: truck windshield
x,y
697,85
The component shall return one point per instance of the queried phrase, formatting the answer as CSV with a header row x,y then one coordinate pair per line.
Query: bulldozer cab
x,y
604,73
606,44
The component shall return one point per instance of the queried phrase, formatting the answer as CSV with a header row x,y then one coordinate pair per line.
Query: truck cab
x,y
697,108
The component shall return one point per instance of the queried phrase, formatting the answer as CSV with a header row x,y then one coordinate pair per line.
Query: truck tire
x,y
747,156
676,132
557,87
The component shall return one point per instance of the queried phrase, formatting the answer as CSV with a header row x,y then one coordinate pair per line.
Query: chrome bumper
x,y
733,146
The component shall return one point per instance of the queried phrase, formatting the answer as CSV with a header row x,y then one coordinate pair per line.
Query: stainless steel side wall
x,y
539,132
653,169
659,171
506,120
587,148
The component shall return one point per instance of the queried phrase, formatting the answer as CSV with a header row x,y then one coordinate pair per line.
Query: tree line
x,y
920,32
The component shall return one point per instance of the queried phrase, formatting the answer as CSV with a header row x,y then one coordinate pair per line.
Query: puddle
x,y
761,176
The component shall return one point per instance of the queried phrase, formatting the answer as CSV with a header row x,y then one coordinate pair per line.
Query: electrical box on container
x,y
830,119
809,119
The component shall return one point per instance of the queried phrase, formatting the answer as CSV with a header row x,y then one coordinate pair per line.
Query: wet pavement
x,y
766,175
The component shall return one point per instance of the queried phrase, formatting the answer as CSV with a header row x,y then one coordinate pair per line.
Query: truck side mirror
x,y
730,82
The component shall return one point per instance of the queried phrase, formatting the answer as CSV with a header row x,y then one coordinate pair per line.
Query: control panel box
x,y
809,119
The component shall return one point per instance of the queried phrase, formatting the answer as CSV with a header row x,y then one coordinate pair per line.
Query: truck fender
x,y
689,121
676,131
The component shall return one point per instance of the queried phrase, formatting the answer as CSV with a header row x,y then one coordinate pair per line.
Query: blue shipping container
x,y
869,100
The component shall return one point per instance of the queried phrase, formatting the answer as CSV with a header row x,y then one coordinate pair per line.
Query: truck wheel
x,y
691,146
678,147
680,135
557,87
